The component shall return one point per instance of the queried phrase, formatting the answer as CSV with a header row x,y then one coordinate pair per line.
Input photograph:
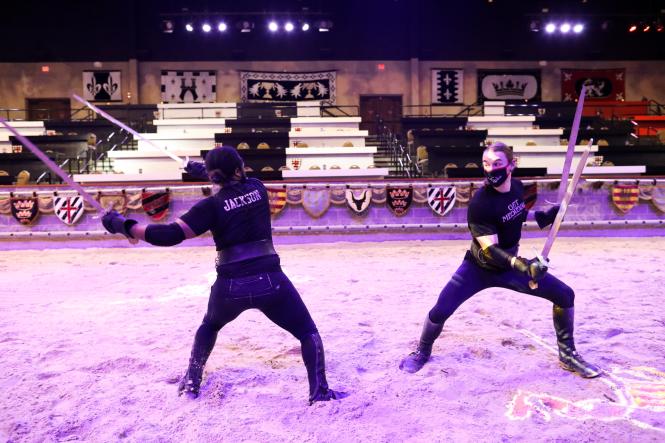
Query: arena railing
x,y
439,110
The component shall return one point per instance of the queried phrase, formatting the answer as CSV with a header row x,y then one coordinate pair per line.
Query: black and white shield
x,y
399,199
358,200
441,199
68,209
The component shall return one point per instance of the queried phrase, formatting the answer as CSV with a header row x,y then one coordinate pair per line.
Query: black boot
x,y
569,359
416,360
313,356
190,384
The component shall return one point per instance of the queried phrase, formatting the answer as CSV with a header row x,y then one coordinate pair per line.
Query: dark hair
x,y
222,163
502,147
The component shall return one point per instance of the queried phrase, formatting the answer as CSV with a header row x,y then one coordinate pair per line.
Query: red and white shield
x,y
68,209
296,163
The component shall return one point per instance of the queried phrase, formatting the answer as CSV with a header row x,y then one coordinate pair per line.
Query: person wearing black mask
x,y
495,217
248,268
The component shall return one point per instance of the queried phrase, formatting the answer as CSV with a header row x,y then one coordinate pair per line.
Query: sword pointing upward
x,y
572,141
126,128
570,191
57,169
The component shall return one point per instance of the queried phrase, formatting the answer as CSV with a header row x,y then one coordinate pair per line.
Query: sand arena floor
x,y
94,340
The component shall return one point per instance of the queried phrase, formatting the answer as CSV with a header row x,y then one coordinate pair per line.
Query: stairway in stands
x,y
382,156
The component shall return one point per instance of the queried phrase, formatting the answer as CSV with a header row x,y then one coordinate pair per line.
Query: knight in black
x,y
495,217
248,268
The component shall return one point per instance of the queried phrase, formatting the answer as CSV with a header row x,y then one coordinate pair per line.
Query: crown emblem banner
x,y
25,209
509,84
399,199
288,86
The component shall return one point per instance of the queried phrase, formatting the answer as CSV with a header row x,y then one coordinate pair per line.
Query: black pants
x,y
270,292
470,279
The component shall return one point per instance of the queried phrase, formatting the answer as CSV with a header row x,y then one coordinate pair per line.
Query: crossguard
x,y
543,261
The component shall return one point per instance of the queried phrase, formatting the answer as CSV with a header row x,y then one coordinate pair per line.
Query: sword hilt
x,y
543,261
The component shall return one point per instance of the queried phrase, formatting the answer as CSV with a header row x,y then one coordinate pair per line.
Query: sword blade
x,y
572,141
53,167
570,191
126,128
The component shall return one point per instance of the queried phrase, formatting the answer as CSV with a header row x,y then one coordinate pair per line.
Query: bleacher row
x,y
294,141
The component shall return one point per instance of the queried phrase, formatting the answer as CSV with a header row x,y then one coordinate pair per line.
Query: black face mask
x,y
497,176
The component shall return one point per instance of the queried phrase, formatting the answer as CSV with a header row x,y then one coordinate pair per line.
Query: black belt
x,y
245,251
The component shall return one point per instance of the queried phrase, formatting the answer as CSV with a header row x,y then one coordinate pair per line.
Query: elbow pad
x,y
497,256
164,235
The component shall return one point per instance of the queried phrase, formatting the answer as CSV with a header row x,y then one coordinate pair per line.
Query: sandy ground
x,y
93,341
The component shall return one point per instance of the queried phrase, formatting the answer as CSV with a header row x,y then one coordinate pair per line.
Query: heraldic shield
x,y
441,200
68,209
358,200
25,209
625,197
277,199
115,200
316,202
156,204
658,197
399,199
530,195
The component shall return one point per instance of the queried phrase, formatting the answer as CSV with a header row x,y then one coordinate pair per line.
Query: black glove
x,y
534,268
196,170
117,224
544,218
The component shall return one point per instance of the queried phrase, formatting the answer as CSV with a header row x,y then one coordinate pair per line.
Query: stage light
x,y
578,28
245,26
288,27
646,27
550,28
221,27
564,28
206,27
534,26
660,27
167,26
305,26
632,28
325,25
272,26
189,27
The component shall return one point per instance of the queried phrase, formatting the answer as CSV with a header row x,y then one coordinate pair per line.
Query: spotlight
x,y
535,26
632,28
167,26
325,25
550,28
206,27
221,26
660,27
189,27
578,28
646,27
305,26
272,26
245,26
288,27
564,28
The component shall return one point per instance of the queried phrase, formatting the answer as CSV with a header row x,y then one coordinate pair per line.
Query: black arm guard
x,y
164,235
495,255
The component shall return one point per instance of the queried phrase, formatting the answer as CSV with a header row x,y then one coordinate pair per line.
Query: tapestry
x,y
288,87
447,86
601,84
189,86
102,86
509,84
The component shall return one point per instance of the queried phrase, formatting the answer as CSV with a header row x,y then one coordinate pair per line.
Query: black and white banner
x,y
509,84
189,86
447,86
102,86
288,87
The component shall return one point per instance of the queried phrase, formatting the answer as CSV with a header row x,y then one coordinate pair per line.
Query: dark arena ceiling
x,y
75,30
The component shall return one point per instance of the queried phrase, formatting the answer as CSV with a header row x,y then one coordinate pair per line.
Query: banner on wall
x,y
102,86
189,86
509,84
447,86
288,86
602,84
